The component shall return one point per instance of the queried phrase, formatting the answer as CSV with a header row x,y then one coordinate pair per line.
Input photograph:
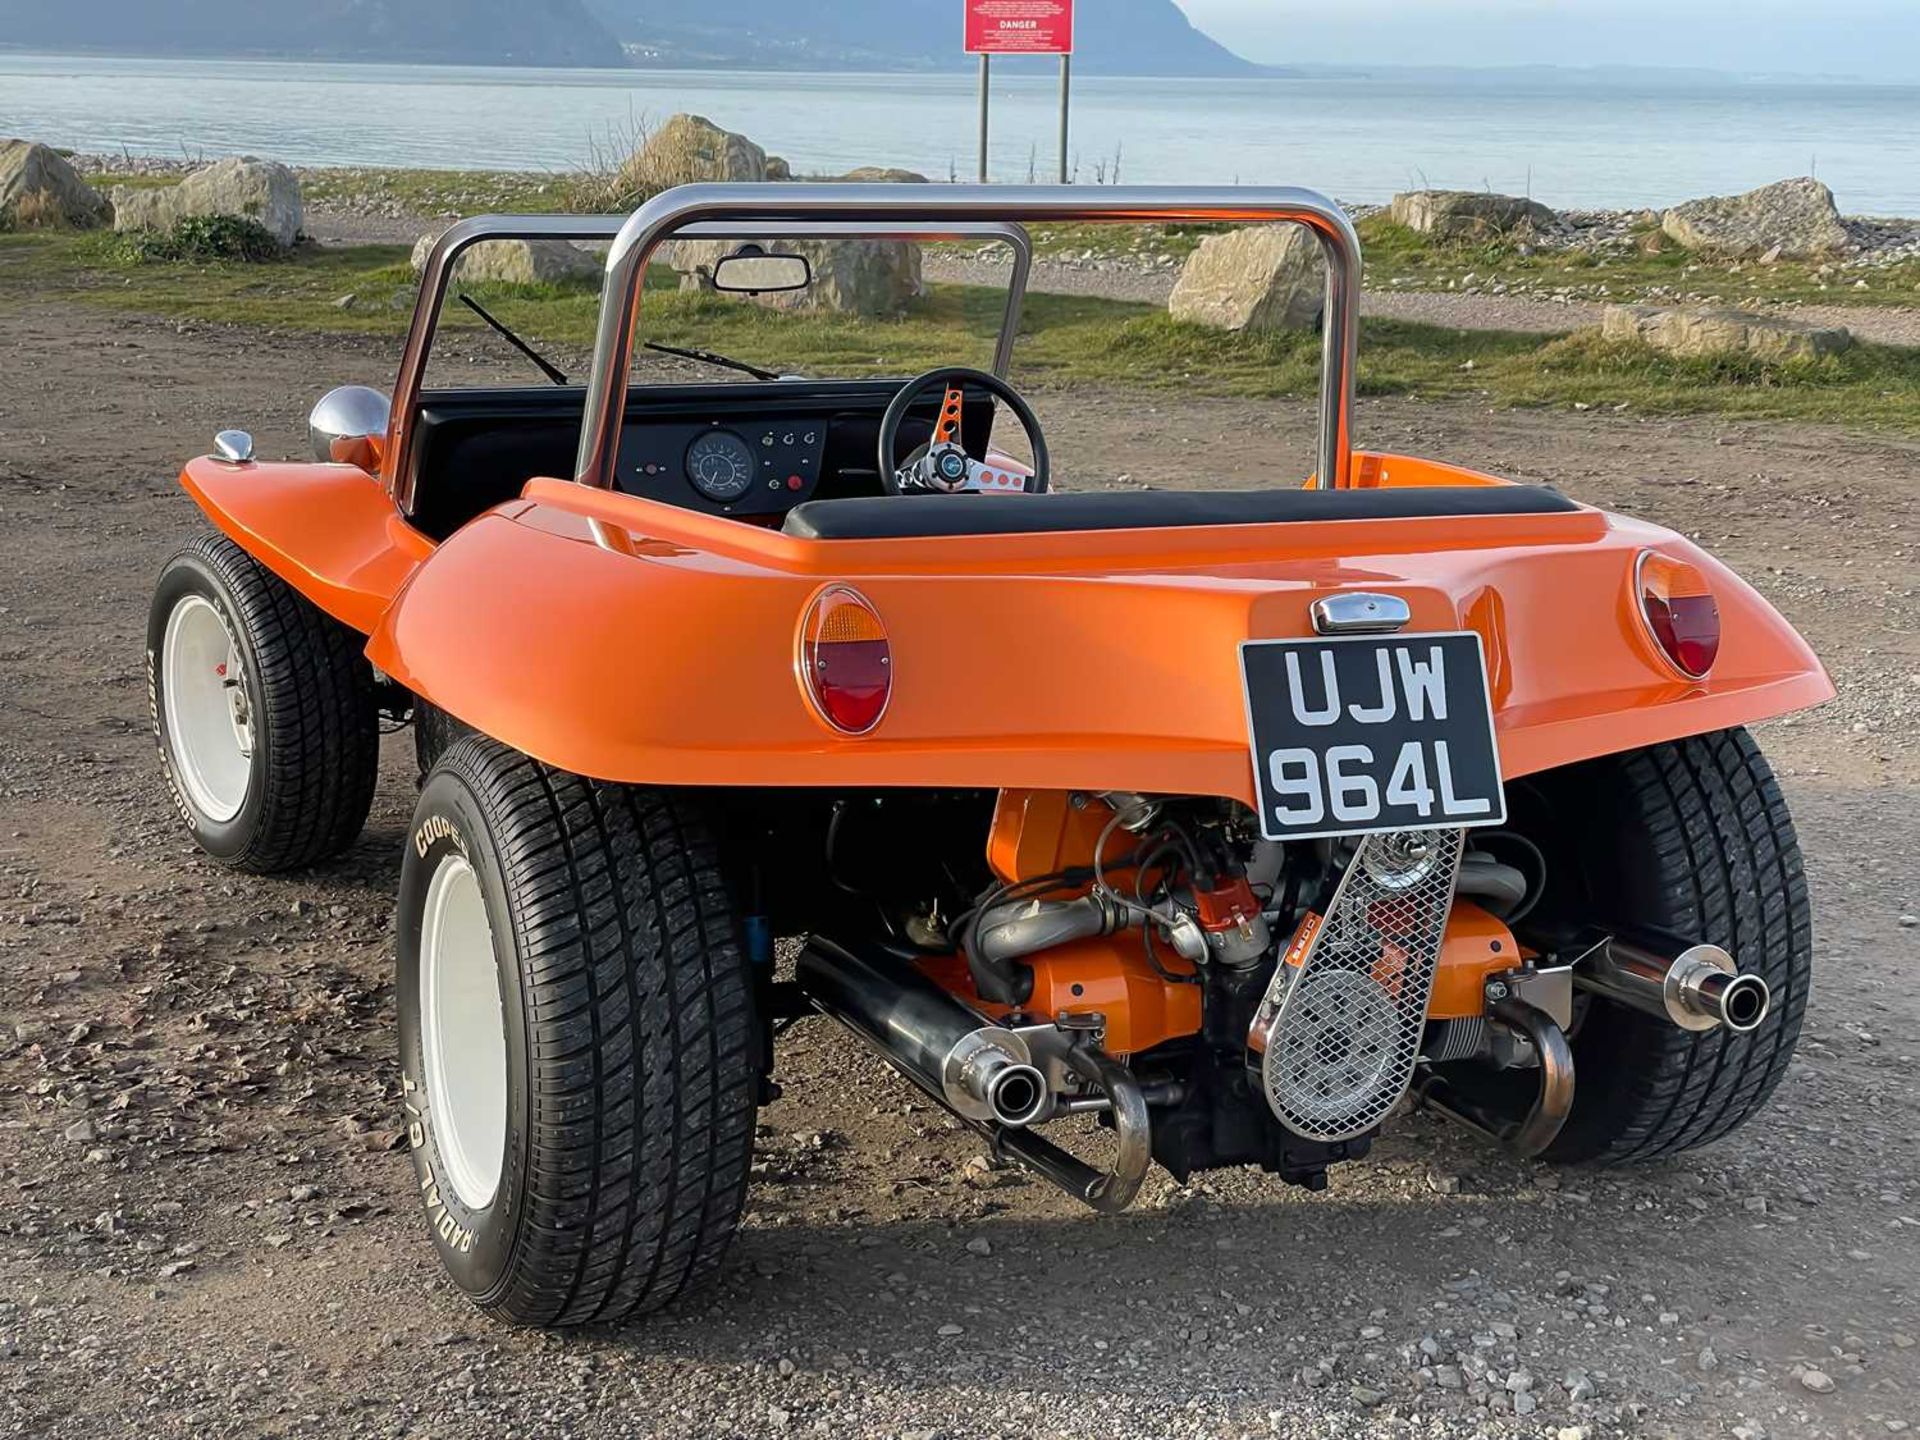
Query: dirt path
x,y
205,1229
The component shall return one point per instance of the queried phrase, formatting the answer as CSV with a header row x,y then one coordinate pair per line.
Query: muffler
x,y
981,1072
984,1074
1699,989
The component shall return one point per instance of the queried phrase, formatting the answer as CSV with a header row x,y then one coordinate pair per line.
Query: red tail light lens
x,y
846,665
1680,611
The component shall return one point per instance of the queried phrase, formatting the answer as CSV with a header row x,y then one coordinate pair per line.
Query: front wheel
x,y
578,1049
264,710
1691,838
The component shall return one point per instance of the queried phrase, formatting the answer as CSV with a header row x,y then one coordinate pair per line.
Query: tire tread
x,y
1722,865
642,1051
321,728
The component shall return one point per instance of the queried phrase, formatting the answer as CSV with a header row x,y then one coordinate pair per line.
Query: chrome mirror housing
x,y
349,426
233,446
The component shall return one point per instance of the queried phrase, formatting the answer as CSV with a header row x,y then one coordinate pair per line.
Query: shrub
x,y
205,237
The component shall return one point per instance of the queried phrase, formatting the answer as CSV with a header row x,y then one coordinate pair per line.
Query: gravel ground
x,y
206,1228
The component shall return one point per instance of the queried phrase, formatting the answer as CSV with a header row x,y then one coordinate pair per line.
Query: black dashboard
x,y
755,464
750,450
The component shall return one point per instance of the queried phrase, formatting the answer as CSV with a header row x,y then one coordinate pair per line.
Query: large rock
x,y
882,175
1795,218
850,277
514,262
1268,277
690,148
38,188
1468,214
263,191
1723,332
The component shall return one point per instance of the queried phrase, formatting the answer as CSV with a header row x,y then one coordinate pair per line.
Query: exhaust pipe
x,y
1699,989
985,1074
981,1072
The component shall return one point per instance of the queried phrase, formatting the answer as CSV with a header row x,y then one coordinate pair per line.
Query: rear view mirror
x,y
751,271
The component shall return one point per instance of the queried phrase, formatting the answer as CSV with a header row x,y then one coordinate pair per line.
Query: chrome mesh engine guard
x,y
1335,1040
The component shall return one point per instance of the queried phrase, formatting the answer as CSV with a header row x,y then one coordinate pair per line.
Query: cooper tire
x,y
289,779
626,1033
1691,838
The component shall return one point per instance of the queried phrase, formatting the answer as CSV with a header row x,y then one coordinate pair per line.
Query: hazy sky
x,y
1871,38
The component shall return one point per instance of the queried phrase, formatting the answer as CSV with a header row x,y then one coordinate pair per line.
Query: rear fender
x,y
330,531
616,637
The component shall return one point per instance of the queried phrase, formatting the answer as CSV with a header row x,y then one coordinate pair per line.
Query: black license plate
x,y
1371,732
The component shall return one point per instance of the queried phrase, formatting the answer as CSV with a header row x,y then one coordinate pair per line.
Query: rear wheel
x,y
1691,838
264,710
577,1041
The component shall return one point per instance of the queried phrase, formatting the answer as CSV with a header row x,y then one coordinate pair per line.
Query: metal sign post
x,y
986,73
1021,27
1066,90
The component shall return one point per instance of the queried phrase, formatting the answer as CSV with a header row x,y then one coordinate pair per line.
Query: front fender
x,y
330,531
627,640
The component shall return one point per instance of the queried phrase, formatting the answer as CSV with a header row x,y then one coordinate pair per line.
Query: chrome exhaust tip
x,y
989,1075
1018,1096
1739,1002
1700,989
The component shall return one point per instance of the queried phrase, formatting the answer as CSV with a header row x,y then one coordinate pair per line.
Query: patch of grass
x,y
1117,242
94,268
1397,258
203,237
1065,340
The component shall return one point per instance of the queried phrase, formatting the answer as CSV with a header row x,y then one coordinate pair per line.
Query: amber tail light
x,y
1680,611
846,665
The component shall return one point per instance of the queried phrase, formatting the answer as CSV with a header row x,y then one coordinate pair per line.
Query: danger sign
x,y
1019,27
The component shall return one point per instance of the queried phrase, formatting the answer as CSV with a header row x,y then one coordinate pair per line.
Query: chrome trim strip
x,y
661,217
1357,612
396,468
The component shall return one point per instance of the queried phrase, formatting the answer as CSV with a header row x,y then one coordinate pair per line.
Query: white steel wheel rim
x,y
463,1036
210,731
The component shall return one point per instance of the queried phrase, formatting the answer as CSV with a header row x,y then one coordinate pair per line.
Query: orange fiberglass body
x,y
629,640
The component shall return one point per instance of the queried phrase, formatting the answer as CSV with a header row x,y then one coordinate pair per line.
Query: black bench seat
x,y
916,517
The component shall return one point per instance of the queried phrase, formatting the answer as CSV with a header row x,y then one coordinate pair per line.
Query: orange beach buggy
x,y
1221,821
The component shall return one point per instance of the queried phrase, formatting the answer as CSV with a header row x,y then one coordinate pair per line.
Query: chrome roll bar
x,y
397,461
670,212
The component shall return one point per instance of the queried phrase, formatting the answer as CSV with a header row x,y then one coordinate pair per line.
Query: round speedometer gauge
x,y
720,466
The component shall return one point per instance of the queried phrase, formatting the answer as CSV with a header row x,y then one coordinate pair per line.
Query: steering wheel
x,y
944,467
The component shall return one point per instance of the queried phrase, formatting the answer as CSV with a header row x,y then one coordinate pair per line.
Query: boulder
x,y
1723,332
1795,219
38,188
514,262
850,277
882,175
1468,214
1267,277
263,191
778,168
691,148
